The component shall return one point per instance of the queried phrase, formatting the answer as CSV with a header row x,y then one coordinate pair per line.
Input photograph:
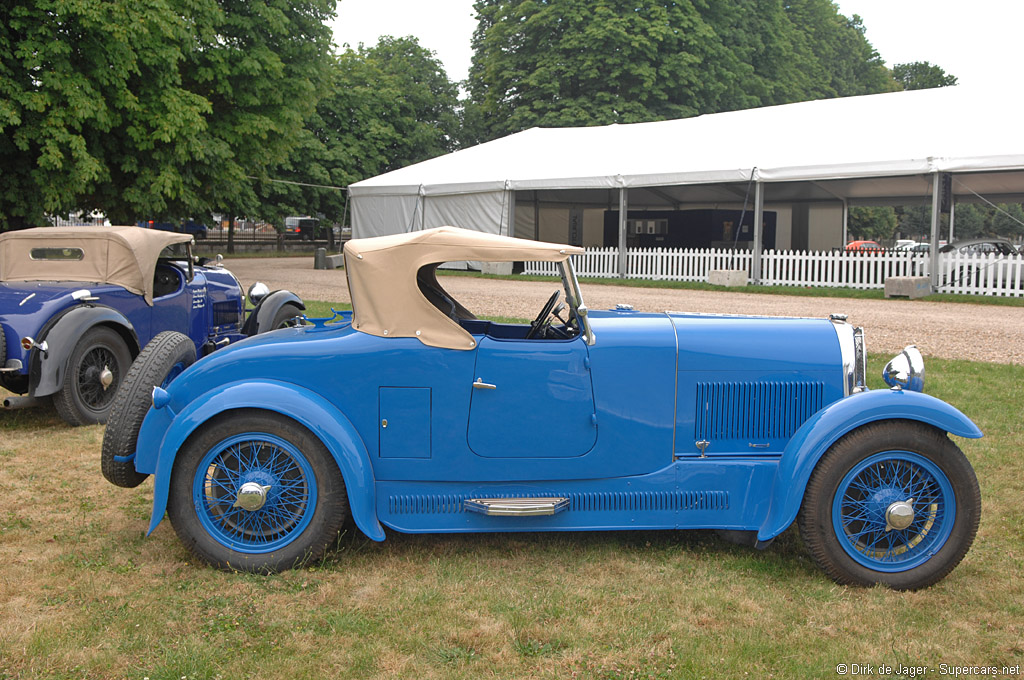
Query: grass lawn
x,y
84,594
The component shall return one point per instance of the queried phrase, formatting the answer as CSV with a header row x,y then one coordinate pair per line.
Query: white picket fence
x,y
978,274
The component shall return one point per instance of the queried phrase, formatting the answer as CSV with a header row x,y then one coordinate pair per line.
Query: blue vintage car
x,y
77,304
411,414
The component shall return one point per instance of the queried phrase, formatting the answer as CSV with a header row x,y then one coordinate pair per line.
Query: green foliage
x,y
921,75
593,62
87,89
154,108
872,223
382,108
971,220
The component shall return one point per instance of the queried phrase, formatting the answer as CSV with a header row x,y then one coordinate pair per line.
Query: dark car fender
x,y
309,409
47,369
263,315
826,427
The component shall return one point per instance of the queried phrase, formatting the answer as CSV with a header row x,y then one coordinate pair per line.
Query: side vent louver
x,y
754,410
578,502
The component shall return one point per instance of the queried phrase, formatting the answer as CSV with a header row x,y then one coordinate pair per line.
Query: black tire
x,y
845,520
158,363
285,317
304,504
83,399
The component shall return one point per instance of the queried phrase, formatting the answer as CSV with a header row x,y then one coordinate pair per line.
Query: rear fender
x,y
301,405
827,426
61,339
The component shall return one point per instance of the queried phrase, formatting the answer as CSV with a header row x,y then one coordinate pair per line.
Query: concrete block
x,y
727,277
501,268
907,286
321,260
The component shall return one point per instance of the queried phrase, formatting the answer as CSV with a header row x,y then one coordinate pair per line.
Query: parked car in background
x,y
981,260
863,246
197,230
305,228
77,304
412,413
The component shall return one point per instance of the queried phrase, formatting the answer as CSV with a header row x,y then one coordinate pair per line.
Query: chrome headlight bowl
x,y
905,370
257,292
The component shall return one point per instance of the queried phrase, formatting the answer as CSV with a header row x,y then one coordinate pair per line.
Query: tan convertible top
x,y
389,290
125,256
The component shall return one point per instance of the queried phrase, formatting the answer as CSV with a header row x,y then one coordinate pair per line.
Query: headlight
x,y
905,370
257,292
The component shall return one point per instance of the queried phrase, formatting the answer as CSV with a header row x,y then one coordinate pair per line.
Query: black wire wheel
x,y
95,371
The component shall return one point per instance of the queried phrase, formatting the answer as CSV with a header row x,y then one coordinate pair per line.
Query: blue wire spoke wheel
x,y
272,474
893,502
255,491
893,511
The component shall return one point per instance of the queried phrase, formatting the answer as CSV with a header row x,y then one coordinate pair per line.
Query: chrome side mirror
x,y
257,292
905,370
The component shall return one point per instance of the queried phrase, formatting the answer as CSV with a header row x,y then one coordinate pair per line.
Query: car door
x,y
532,399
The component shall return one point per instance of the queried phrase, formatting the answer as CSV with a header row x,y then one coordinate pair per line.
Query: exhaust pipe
x,y
12,403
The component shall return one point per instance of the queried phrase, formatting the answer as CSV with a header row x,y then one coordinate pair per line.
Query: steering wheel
x,y
538,324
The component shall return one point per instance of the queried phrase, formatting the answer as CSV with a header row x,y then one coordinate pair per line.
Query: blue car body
x,y
42,321
620,420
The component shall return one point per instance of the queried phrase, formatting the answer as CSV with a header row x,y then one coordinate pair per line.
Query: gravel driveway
x,y
941,329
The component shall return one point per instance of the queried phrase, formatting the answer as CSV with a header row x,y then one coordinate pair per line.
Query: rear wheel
x,y
160,362
895,503
255,491
96,368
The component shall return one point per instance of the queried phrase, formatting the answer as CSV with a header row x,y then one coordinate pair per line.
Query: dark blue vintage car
x,y
77,304
412,414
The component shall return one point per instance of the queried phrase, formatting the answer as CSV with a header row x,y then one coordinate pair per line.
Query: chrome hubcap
x,y
899,515
106,377
251,496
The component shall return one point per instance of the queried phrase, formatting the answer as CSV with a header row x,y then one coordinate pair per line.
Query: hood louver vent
x,y
754,411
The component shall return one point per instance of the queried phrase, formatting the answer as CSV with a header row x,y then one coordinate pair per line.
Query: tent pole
x,y
934,250
846,223
623,209
536,216
511,212
952,212
755,273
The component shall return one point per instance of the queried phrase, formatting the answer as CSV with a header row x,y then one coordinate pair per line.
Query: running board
x,y
517,507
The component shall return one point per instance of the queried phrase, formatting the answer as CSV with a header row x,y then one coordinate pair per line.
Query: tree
x,y
921,75
156,108
85,89
383,107
872,223
592,62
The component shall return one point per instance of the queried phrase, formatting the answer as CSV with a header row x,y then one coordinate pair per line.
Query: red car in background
x,y
863,246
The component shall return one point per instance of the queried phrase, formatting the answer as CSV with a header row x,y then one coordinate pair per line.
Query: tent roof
x,y
389,292
847,145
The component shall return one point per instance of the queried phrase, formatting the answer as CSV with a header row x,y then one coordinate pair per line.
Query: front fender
x,y
61,339
261,318
823,429
304,406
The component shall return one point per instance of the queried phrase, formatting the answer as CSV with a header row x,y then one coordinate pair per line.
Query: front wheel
x,y
255,491
895,503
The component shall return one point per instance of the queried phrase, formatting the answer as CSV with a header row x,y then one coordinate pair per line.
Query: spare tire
x,y
159,362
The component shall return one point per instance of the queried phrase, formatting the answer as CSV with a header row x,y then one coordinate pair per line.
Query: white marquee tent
x,y
869,150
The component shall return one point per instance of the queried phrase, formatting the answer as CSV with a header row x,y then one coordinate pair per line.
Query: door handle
x,y
481,385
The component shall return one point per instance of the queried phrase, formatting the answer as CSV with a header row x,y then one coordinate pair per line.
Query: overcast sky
x,y
977,41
